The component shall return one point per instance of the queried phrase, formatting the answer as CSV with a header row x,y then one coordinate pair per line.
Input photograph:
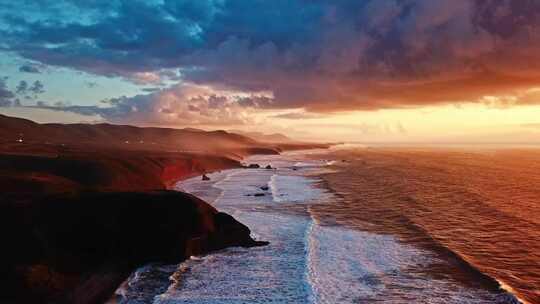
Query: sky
x,y
334,70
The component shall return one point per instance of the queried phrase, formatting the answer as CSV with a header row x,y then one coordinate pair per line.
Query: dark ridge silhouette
x,y
269,138
78,248
83,205
18,131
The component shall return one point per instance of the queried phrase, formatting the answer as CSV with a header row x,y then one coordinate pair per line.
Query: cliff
x,y
77,248
82,206
27,176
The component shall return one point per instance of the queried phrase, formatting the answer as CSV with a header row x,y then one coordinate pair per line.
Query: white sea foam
x,y
293,189
305,262
257,275
349,266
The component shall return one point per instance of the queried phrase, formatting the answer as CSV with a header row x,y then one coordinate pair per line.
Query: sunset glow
x,y
383,71
270,151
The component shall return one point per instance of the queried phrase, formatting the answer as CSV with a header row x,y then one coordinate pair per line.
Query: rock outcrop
x,y
81,206
77,248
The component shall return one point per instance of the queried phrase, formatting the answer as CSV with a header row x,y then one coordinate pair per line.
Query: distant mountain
x,y
191,140
18,134
266,138
193,130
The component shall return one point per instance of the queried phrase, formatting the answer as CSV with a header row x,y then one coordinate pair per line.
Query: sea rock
x,y
78,248
254,166
264,188
205,177
229,232
268,167
259,194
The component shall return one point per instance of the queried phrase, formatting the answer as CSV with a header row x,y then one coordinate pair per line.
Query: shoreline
x,y
86,179
255,221
176,186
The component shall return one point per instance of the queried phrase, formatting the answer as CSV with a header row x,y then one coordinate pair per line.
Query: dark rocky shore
x,y
74,226
77,248
82,206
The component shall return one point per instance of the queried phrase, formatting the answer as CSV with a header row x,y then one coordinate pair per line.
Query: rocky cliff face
x,y
28,177
81,206
77,248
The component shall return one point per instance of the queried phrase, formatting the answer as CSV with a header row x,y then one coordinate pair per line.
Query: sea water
x,y
309,260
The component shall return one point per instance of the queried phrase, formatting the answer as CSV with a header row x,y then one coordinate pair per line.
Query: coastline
x,y
37,178
273,273
315,235
305,246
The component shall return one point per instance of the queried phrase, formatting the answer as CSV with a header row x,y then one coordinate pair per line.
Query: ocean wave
x,y
313,258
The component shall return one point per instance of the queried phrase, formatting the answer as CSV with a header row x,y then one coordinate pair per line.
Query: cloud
x,y
6,96
22,87
37,88
91,84
28,68
322,56
145,78
185,104
29,91
299,115
150,90
362,128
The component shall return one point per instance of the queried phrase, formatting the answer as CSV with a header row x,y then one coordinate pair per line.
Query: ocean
x,y
367,225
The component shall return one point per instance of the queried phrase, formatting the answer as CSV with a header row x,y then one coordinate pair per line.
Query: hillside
x,y
82,206
275,138
14,130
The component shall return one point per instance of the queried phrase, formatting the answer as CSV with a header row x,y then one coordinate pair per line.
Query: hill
x,y
275,138
17,130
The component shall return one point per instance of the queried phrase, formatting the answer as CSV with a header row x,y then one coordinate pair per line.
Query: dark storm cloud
x,y
319,55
